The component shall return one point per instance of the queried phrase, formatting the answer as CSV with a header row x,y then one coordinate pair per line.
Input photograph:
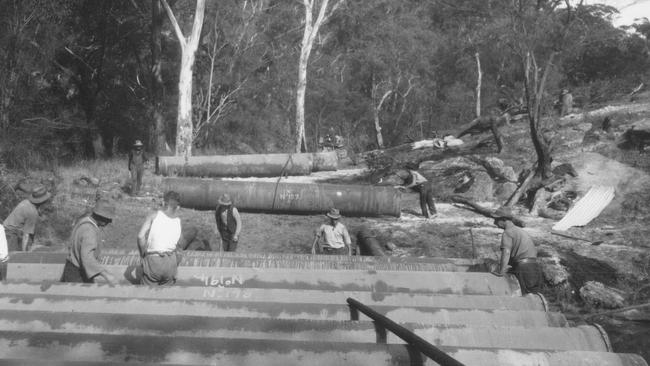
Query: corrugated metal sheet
x,y
588,208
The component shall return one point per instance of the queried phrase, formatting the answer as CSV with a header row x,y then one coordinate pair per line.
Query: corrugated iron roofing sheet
x,y
587,208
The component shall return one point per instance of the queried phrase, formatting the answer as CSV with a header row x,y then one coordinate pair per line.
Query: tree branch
x,y
177,28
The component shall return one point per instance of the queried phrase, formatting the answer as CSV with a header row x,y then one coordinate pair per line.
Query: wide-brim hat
x,y
225,200
105,209
138,143
39,195
333,214
503,213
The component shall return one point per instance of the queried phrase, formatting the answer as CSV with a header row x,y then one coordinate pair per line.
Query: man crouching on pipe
x,y
158,243
335,236
518,250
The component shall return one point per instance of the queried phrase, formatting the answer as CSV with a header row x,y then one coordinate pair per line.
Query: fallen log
x,y
482,210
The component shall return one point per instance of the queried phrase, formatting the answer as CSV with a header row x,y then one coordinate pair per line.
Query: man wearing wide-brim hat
x,y
21,222
228,223
517,250
82,264
335,236
137,160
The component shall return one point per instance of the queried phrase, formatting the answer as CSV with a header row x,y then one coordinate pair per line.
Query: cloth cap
x,y
138,143
333,214
39,195
225,199
503,213
105,209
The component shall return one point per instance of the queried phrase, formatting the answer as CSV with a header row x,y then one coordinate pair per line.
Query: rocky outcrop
x,y
596,294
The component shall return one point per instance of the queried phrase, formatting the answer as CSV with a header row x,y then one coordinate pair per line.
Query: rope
x,y
277,183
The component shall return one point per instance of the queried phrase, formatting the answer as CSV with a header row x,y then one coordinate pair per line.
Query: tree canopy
x,y
78,77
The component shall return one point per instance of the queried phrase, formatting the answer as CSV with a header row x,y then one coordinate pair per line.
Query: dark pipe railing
x,y
382,323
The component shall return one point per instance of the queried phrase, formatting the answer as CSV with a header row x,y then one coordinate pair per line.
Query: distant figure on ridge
x,y
228,223
137,159
566,102
335,236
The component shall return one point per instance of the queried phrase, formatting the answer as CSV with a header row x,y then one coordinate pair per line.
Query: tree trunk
x,y
158,140
380,138
184,127
478,84
189,45
300,95
534,91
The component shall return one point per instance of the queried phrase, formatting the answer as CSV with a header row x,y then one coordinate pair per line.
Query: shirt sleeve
x,y
4,249
506,241
88,246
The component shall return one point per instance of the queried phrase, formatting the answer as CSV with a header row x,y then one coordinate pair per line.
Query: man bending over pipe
x,y
335,236
518,250
82,264
158,243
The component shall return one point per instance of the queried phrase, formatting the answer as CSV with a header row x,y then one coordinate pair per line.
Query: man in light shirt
x,y
335,236
4,254
158,243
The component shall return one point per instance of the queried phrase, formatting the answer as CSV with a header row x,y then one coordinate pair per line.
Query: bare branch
x,y
177,28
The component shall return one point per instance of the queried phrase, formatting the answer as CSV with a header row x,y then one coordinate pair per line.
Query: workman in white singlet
x,y
157,242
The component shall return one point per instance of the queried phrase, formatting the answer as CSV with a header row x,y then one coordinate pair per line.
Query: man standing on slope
x,y
137,159
228,223
158,243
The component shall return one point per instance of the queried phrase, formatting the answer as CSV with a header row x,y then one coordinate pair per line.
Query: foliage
x,y
75,70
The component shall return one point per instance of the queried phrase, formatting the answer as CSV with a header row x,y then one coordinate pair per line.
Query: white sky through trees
x,y
629,10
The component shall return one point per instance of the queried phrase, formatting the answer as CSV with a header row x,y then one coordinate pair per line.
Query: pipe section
x,y
460,283
582,338
271,310
57,347
296,198
277,296
254,165
274,260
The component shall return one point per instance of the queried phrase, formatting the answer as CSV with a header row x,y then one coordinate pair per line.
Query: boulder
x,y
504,191
584,127
554,272
596,294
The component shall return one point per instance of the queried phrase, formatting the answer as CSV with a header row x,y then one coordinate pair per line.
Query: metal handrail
x,y
409,337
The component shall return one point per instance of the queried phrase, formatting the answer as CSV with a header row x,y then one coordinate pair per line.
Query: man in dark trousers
x,y
518,250
228,223
419,183
21,222
82,264
137,159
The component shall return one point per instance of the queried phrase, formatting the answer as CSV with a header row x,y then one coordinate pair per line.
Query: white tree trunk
x,y
189,45
184,127
478,84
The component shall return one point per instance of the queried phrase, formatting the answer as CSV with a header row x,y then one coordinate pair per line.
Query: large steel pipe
x,y
56,347
275,260
582,338
461,283
256,295
351,200
274,310
254,165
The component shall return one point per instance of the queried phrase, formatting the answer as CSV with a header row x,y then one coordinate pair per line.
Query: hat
x,y
503,213
105,209
333,214
565,91
39,195
225,200
138,143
